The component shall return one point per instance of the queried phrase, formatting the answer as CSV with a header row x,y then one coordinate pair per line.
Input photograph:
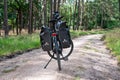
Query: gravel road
x,y
90,60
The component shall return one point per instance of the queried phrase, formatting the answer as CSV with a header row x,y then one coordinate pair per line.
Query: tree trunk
x,y
58,7
119,9
40,22
102,16
22,25
82,13
34,23
51,8
54,5
17,24
20,18
70,16
5,18
45,12
0,28
30,27
40,18
79,13
74,26
85,20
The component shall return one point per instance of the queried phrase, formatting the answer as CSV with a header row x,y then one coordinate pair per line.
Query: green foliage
x,y
112,24
102,13
113,41
67,12
94,13
18,43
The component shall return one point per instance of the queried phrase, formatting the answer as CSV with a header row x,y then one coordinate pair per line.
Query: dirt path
x,y
90,60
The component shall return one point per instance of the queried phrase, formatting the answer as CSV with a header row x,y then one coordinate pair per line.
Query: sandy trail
x,y
90,60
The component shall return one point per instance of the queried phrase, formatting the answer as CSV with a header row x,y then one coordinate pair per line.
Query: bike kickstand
x,y
47,63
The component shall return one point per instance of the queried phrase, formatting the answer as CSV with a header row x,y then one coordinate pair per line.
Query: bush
x,y
112,24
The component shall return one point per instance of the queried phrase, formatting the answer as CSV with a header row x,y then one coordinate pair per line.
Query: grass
x,y
18,43
81,33
113,42
14,44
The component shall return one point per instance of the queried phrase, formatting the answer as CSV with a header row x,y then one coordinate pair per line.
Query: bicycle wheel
x,y
65,53
57,52
58,59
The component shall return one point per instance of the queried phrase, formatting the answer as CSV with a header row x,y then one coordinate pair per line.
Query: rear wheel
x,y
58,60
63,53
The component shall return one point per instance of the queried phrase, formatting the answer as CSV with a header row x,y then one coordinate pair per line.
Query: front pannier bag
x,y
45,37
64,35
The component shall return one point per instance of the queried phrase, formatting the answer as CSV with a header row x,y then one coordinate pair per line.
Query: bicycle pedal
x,y
65,58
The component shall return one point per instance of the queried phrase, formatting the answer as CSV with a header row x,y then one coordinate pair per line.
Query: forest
x,y
28,16
91,31
21,21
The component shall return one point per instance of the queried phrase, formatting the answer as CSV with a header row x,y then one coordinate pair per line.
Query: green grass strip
x,y
113,42
18,43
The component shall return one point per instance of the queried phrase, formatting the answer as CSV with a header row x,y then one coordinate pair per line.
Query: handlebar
x,y
55,20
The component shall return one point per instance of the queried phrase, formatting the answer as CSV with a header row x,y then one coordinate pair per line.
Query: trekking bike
x,y
58,52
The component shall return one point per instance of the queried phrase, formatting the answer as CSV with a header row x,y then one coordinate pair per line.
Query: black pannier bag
x,y
45,37
64,35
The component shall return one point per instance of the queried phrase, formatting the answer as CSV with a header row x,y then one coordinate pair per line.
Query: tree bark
x,y
0,27
30,27
51,8
45,12
79,13
17,24
119,9
5,18
51,12
54,5
82,13
102,14
74,26
20,17
58,7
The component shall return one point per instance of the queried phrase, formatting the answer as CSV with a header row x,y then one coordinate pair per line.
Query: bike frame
x,y
56,44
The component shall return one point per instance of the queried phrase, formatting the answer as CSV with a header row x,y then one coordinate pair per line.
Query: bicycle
x,y
58,52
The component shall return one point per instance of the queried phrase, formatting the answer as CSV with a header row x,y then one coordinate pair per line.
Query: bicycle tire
x,y
58,60
54,57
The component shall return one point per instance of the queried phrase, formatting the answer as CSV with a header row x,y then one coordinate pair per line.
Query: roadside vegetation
x,y
14,44
113,42
75,34
25,42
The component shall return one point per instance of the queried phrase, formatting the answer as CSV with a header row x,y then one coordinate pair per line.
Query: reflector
x,y
54,34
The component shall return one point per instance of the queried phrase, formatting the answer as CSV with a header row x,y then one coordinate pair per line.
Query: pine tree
x,y
5,18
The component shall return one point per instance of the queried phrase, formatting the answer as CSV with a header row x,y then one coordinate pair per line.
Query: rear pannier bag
x,y
45,37
64,35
